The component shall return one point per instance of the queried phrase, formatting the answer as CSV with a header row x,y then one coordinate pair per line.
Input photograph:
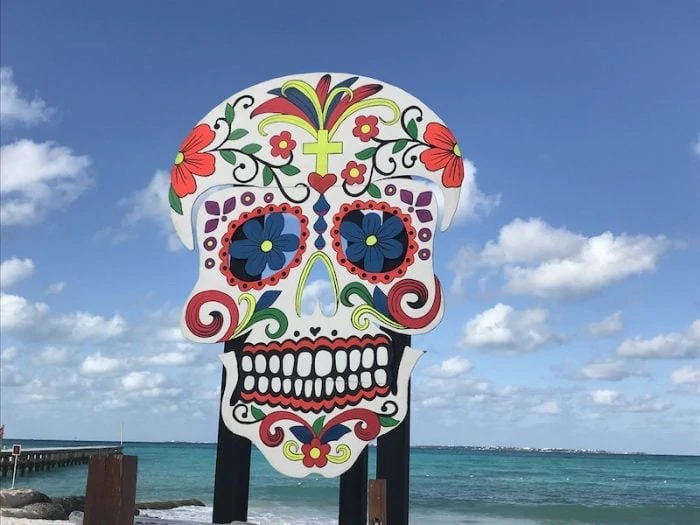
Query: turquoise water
x,y
448,485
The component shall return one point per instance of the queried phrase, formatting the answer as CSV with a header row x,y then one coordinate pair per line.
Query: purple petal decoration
x,y
407,196
229,205
424,215
211,225
212,207
424,198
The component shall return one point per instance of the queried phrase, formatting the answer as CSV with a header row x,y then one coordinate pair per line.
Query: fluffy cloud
x,y
97,364
473,203
53,356
610,370
674,345
14,270
317,292
55,288
142,380
687,378
504,328
614,399
605,397
451,367
606,327
8,354
548,407
38,178
696,146
16,108
538,259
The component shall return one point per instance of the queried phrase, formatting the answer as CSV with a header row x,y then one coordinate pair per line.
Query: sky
x,y
571,272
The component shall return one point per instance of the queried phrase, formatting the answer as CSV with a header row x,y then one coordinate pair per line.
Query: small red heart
x,y
321,183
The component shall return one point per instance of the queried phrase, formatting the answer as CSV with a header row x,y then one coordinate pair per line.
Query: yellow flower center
x,y
354,172
283,144
315,453
371,240
365,128
457,151
179,158
266,246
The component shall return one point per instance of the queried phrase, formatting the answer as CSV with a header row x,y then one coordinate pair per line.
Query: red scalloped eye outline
x,y
381,277
278,276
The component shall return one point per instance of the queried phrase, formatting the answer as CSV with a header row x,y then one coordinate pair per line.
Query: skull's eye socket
x,y
374,241
263,246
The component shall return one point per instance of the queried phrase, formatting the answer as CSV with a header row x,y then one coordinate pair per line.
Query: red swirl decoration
x,y
274,438
368,426
207,330
411,286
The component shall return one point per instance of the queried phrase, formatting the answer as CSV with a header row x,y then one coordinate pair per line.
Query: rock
x,y
71,503
47,511
169,504
17,498
18,513
76,517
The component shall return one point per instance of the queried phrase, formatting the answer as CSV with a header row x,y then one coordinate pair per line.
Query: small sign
x,y
16,450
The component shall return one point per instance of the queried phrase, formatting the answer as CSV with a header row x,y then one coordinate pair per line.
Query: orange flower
x,y
191,161
282,145
354,173
443,154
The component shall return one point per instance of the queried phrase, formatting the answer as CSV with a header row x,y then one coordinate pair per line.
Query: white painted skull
x,y
304,170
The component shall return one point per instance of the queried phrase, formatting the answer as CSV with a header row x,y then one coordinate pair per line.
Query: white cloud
x,y
548,407
33,321
142,380
97,364
614,399
14,270
674,345
686,375
451,367
55,288
53,356
38,178
605,397
16,108
8,354
505,328
317,292
696,146
172,358
473,203
543,261
610,370
606,327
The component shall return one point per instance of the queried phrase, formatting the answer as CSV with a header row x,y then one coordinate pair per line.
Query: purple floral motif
x,y
213,208
424,254
425,234
210,243
424,199
209,263
248,198
390,190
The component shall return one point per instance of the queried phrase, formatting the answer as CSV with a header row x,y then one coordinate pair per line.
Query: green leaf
x,y
355,289
238,134
399,145
175,202
412,129
229,114
228,156
288,169
268,176
388,421
251,149
366,153
373,191
318,425
257,413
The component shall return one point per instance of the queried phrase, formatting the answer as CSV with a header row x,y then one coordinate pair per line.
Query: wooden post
x,y
110,496
352,508
377,502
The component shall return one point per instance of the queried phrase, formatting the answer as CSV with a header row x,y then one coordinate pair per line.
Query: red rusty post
x,y
110,497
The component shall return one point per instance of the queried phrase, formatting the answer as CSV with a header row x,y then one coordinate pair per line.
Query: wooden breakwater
x,y
38,459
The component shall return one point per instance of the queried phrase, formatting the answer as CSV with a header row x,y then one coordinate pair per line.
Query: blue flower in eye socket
x,y
373,241
264,246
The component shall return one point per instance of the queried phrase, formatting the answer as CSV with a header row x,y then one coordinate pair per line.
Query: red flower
x,y
366,127
354,173
443,153
190,161
315,453
282,145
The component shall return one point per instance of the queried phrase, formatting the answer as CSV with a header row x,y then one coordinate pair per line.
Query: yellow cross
x,y
322,149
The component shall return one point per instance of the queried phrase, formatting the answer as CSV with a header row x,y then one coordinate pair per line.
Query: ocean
x,y
448,485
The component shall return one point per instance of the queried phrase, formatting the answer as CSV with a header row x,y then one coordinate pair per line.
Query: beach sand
x,y
26,521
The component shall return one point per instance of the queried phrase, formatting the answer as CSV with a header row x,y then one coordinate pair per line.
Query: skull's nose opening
x,y
318,289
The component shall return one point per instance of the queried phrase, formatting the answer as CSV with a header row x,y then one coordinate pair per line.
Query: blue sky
x,y
581,123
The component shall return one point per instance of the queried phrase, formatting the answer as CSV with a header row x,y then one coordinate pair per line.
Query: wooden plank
x,y
110,495
353,493
377,502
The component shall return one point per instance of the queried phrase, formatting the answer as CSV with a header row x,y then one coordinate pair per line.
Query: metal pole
x,y
14,471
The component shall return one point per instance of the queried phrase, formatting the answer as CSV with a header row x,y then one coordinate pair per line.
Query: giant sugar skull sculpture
x,y
324,169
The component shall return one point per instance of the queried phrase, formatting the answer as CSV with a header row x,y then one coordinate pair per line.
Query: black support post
x,y
353,493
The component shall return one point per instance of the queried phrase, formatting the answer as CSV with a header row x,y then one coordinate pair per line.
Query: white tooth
x,y
287,385
288,364
308,388
263,383
247,363
380,377
352,382
323,363
274,363
368,358
366,379
382,356
304,364
340,385
260,363
329,385
249,383
341,360
355,356
318,387
298,385
276,384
